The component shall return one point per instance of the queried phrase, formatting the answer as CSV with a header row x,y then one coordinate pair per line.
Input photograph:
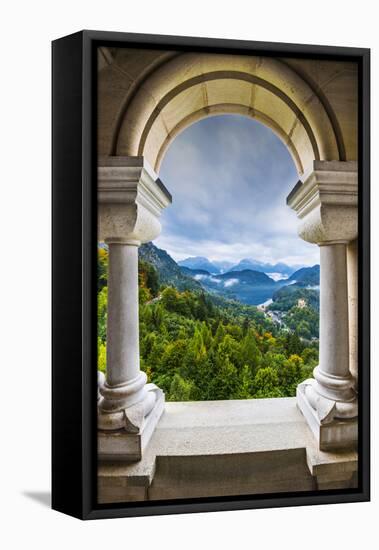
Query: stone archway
x,y
145,99
177,89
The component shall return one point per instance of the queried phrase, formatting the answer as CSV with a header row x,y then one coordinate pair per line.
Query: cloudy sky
x,y
229,177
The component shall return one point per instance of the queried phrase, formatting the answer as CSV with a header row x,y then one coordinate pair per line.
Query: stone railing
x,y
220,448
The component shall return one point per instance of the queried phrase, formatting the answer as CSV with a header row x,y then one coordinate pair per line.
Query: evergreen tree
x,y
294,345
266,383
180,390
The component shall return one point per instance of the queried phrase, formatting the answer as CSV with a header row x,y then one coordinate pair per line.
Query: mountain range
x,y
252,287
248,286
276,271
199,262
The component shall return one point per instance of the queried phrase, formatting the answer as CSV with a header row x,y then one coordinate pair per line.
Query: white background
x,y
26,31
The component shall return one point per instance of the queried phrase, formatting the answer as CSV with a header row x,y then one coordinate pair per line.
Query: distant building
x,y
301,303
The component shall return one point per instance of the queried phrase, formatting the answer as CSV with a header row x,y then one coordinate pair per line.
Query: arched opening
x,y
186,87
238,302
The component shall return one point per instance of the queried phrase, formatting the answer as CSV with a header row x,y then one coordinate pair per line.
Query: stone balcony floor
x,y
227,447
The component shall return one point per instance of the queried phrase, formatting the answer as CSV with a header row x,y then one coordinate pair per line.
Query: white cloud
x,y
277,276
231,282
292,252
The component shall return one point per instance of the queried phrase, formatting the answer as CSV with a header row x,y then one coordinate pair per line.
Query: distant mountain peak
x,y
199,262
279,268
196,258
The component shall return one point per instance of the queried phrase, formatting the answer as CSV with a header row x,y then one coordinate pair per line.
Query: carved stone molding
x,y
325,202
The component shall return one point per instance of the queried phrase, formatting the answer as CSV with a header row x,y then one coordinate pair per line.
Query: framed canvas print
x,y
210,274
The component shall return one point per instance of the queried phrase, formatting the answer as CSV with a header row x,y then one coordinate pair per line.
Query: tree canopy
x,y
198,348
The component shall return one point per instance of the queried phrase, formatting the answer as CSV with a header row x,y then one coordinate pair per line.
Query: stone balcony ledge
x,y
235,447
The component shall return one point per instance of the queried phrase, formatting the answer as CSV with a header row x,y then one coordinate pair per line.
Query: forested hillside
x,y
196,346
298,308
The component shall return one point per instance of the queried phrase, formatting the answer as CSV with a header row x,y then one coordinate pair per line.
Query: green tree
x,y
250,354
102,299
243,390
225,383
180,389
102,267
170,299
266,383
101,355
294,345
290,375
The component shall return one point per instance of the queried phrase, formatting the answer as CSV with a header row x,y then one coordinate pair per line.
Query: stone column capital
x,y
131,198
325,201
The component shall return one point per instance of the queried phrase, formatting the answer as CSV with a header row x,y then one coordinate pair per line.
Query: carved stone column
x,y
130,201
326,204
352,285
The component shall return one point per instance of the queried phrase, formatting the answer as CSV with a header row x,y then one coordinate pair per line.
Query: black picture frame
x,y
74,386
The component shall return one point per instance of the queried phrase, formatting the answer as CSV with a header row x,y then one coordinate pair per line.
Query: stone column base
x,y
331,433
129,445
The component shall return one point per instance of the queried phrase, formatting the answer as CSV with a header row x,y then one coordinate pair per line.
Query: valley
x,y
200,343
291,302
